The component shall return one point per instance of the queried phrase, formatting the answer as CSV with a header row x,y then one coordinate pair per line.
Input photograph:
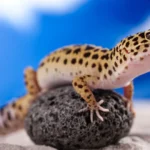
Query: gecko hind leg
x,y
31,81
81,86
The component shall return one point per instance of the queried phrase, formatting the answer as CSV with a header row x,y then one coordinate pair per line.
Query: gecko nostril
x,y
148,35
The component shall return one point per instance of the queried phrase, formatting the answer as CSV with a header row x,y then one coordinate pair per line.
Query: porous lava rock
x,y
54,120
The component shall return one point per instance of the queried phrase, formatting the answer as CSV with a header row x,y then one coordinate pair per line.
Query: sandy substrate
x,y
141,126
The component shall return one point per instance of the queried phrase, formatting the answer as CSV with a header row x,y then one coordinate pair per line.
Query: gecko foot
x,y
96,108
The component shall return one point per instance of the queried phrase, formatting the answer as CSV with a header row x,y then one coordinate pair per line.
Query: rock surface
x,y
54,120
17,147
134,142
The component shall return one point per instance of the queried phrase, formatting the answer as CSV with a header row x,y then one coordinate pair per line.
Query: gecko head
x,y
136,46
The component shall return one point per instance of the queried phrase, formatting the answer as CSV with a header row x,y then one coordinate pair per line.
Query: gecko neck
x,y
130,67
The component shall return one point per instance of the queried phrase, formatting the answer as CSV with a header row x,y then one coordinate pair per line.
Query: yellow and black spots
x,y
105,65
135,45
31,81
12,116
105,57
124,58
72,61
73,54
82,86
22,104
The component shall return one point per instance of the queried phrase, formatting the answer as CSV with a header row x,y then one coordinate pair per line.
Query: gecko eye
x,y
148,35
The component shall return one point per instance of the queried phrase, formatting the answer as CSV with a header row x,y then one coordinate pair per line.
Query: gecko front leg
x,y
82,86
128,93
31,81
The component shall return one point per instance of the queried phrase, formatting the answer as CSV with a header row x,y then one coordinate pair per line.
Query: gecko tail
x,y
12,115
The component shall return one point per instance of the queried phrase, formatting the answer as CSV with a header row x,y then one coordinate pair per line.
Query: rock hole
x,y
51,98
52,103
116,106
74,96
116,99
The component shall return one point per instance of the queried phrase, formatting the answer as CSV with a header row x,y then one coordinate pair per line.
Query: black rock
x,y
53,120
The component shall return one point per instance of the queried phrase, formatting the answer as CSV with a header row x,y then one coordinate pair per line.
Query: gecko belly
x,y
61,78
51,76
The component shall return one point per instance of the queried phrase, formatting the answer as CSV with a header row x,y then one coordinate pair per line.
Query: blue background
x,y
100,22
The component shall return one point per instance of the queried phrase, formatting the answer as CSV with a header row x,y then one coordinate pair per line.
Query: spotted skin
x,y
12,116
82,86
89,67
31,81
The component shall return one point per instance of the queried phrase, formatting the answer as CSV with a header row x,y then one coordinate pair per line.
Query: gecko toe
x,y
83,109
95,109
99,116
91,115
100,107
